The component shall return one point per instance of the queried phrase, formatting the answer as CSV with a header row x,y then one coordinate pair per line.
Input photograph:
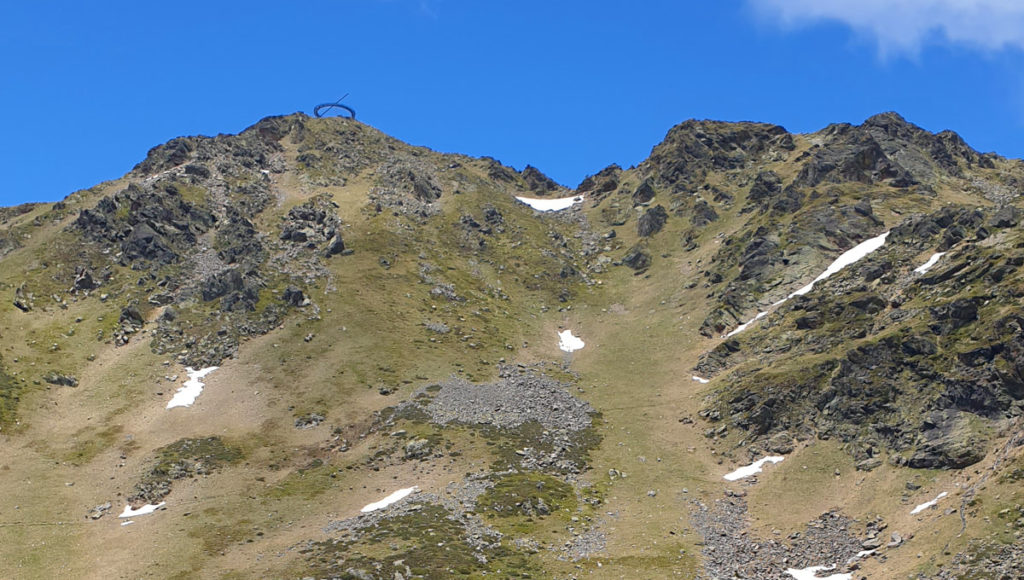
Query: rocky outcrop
x,y
693,148
537,182
314,225
151,226
651,221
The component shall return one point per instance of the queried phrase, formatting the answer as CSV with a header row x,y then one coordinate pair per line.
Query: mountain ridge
x,y
364,289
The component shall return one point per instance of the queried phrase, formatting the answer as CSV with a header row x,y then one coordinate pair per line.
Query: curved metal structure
x,y
319,109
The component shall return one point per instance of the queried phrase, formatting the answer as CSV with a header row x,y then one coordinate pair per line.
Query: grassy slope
x,y
642,339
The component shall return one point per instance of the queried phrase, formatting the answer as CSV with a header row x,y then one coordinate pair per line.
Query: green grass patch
x,y
429,542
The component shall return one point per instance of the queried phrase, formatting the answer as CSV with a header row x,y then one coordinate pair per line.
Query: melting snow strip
x,y
127,523
568,342
701,380
142,511
187,394
848,257
551,204
755,467
812,573
931,262
744,326
861,554
400,494
928,504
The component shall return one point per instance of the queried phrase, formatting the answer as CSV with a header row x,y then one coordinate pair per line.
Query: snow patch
x,y
755,467
568,342
848,257
701,380
127,523
187,394
142,511
812,573
931,262
389,499
551,204
928,504
744,326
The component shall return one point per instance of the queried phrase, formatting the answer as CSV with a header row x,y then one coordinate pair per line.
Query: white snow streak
x,y
389,499
812,573
848,257
755,467
142,511
187,394
701,380
928,504
551,204
568,342
931,262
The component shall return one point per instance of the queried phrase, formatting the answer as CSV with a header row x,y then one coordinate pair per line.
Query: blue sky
x,y
569,87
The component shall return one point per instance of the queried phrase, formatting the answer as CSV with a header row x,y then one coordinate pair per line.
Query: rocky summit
x,y
310,350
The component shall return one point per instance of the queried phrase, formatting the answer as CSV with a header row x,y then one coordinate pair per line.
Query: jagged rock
x,y
780,443
871,543
605,181
83,280
145,243
766,185
60,379
918,345
809,322
197,170
637,259
643,193
161,299
422,188
869,464
22,298
1005,217
239,241
99,511
335,245
759,255
870,304
418,449
703,214
309,420
950,440
537,182
652,221
953,316
130,315
294,296
851,154
221,284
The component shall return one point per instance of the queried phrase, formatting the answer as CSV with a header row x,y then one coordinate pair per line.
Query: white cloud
x,y
904,26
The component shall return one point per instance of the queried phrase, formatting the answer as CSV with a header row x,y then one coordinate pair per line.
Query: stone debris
x,y
729,551
519,396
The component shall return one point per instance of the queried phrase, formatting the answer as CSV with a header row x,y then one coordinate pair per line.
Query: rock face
x,y
314,225
652,221
940,412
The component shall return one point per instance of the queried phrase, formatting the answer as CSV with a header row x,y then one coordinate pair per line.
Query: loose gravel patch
x,y
731,552
519,396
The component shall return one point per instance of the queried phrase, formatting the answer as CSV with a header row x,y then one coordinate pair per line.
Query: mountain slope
x,y
385,316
